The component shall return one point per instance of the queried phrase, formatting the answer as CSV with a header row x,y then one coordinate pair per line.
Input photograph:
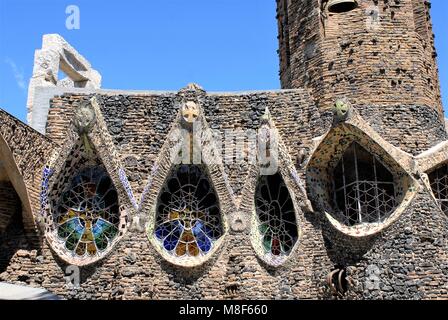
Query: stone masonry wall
x,y
408,257
9,204
29,149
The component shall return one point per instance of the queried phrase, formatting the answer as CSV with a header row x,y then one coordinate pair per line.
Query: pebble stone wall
x,y
380,57
408,257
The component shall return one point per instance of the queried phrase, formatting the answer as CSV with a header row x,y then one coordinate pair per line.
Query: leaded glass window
x,y
364,187
439,185
188,221
276,217
87,213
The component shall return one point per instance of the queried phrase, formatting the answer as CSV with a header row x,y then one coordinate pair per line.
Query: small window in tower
x,y
364,189
439,185
340,6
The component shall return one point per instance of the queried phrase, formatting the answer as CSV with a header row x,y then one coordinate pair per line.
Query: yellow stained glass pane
x,y
91,248
174,215
193,249
81,249
181,249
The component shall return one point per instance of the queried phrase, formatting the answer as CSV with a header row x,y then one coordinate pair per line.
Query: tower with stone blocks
x,y
378,54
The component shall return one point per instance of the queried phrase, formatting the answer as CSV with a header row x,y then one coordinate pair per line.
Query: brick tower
x,y
378,54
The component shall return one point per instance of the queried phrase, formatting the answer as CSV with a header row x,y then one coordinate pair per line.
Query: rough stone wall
x,y
412,128
138,124
407,261
380,55
13,236
423,27
29,151
408,257
300,36
9,204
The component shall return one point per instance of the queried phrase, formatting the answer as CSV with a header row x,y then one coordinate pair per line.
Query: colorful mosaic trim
x,y
127,186
46,174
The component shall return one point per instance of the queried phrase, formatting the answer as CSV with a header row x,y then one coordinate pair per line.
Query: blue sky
x,y
224,45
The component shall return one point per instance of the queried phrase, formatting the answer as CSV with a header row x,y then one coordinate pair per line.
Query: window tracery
x,y
438,179
276,219
188,218
87,213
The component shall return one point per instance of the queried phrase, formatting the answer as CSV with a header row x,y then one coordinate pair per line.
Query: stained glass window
x,y
87,213
364,187
188,219
439,185
276,215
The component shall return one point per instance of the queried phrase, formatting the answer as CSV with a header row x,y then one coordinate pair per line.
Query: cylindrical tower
x,y
378,53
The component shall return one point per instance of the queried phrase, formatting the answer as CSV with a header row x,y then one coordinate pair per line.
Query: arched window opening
x,y
277,225
188,216
439,185
87,213
364,187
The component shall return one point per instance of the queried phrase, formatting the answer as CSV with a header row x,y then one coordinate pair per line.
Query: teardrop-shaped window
x,y
276,217
364,189
188,217
87,214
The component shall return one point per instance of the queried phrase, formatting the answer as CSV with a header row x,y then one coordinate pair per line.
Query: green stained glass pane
x,y
72,241
64,230
111,232
267,243
263,228
101,242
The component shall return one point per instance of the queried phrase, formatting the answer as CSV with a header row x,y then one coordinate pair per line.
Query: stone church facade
x,y
335,187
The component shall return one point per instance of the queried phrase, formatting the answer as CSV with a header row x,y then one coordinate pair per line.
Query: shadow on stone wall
x,y
13,239
344,250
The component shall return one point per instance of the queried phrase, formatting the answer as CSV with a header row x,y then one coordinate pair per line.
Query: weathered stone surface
x,y
387,73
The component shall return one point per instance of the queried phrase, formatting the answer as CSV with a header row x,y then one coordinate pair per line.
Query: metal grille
x,y
439,185
364,188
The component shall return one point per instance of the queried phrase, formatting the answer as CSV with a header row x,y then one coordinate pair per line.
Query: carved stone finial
x,y
192,87
301,157
341,110
266,117
190,112
84,117
238,224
